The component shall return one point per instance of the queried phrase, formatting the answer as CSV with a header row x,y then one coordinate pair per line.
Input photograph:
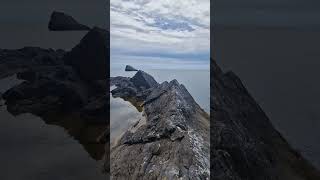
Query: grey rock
x,y
143,80
60,21
130,68
174,142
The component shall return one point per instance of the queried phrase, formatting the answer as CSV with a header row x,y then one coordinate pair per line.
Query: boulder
x,y
62,22
130,68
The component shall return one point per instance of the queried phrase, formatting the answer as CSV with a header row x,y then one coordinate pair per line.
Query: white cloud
x,y
168,26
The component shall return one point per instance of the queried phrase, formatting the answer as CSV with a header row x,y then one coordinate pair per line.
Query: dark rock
x,y
243,142
95,110
68,90
143,80
89,57
62,22
130,68
15,61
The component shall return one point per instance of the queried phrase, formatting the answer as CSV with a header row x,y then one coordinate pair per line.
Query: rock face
x,y
244,144
143,80
62,22
130,68
173,143
90,56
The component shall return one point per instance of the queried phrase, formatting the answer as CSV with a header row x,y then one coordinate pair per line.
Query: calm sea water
x,y
32,149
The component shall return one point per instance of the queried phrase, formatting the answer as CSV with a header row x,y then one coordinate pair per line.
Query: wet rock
x,y
60,21
130,68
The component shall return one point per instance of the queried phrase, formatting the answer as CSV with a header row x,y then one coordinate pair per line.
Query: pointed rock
x,y
89,57
62,22
130,68
143,80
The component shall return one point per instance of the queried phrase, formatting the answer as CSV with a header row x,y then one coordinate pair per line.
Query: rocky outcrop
x,y
57,80
143,80
89,57
67,89
130,68
244,144
173,143
60,21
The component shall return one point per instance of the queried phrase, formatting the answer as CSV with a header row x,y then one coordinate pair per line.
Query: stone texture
x,y
174,141
244,144
143,80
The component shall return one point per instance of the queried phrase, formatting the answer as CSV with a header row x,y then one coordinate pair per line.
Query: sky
x,y
160,34
25,22
272,13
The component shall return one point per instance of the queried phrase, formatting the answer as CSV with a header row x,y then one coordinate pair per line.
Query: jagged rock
x,y
62,22
89,57
139,86
174,142
130,68
244,144
14,61
143,80
44,92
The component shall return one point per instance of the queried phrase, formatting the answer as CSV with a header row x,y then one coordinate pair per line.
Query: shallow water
x,y
123,116
42,151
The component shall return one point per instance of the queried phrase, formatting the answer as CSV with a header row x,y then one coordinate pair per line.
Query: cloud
x,y
166,26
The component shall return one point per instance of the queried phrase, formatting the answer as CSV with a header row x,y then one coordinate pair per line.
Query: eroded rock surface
x,y
244,143
174,141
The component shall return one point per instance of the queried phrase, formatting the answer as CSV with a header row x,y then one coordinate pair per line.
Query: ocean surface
x,y
32,149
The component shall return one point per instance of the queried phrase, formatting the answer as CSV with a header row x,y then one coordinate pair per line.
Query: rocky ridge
x,y
173,143
244,143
